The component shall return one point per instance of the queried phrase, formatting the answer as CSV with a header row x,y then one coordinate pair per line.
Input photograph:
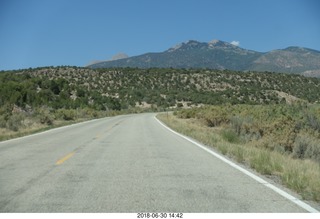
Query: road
x,y
124,164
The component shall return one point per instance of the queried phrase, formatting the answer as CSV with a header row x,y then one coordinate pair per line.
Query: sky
x,y
37,33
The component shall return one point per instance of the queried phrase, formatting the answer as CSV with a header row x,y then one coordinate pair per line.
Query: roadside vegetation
x,y
19,122
280,141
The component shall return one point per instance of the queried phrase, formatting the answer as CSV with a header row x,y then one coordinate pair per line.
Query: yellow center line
x,y
62,160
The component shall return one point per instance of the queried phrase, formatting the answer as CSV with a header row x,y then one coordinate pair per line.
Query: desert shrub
x,y
186,114
313,151
306,147
45,115
5,113
66,114
14,122
3,121
300,146
237,123
214,116
47,119
245,127
312,121
179,105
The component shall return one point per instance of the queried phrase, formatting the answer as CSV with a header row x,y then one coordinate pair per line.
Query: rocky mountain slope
x,y
221,55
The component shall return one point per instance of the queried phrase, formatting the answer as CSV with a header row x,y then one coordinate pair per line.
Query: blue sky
x,y
36,33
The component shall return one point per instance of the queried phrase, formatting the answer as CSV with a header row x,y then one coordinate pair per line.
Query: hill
x,y
123,88
222,55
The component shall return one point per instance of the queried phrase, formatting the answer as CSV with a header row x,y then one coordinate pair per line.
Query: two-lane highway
x,y
124,164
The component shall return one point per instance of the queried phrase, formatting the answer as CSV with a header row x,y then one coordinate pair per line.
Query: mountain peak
x,y
184,45
119,56
192,42
219,43
214,42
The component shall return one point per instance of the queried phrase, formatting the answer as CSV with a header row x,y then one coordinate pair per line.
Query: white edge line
x,y
253,176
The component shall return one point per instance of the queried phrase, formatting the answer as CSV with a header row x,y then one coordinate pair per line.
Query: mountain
x,y
291,60
191,54
218,54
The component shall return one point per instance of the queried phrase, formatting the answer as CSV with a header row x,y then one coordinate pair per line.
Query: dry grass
x,y
302,176
33,127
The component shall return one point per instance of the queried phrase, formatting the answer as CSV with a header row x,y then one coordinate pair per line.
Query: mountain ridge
x,y
218,54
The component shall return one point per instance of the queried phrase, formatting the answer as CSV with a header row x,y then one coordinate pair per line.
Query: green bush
x,y
230,136
185,114
214,116
66,114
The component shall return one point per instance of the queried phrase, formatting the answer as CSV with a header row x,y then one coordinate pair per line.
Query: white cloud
x,y
235,43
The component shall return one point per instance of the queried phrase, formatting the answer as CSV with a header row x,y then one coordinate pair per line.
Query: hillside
x,y
116,89
221,55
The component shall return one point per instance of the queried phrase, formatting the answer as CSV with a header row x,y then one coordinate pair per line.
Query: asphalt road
x,y
124,164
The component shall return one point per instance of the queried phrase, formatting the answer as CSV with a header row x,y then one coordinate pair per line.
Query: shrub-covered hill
x,y
116,89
